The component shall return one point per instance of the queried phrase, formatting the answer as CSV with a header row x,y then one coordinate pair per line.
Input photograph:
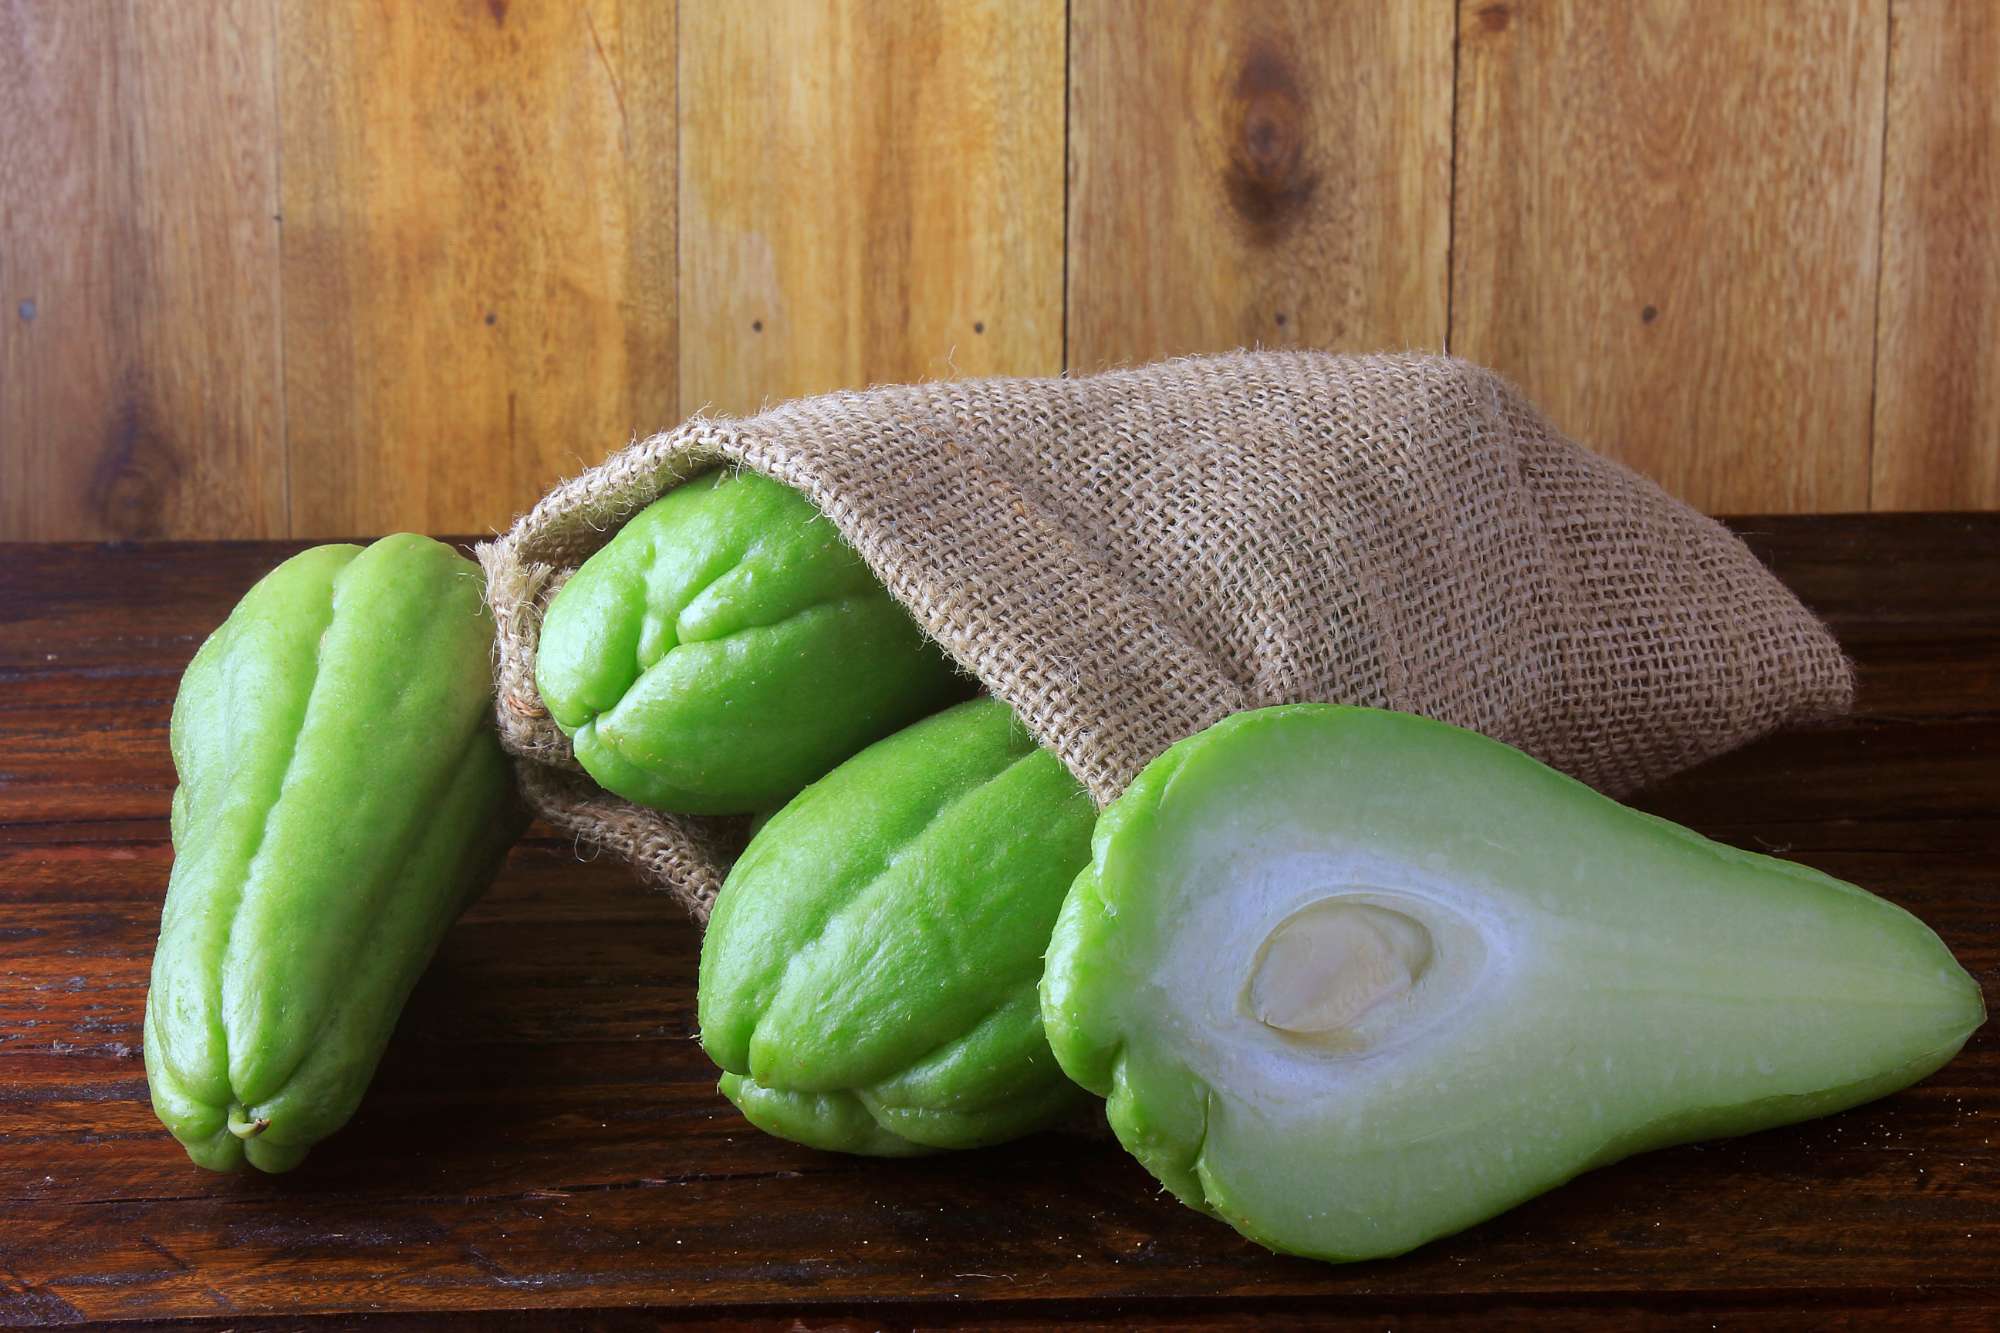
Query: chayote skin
x,y
869,975
726,648
342,797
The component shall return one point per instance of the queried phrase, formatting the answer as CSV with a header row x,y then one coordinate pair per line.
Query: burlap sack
x,y
1127,557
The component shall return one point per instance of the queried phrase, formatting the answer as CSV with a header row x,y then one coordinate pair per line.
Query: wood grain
x,y
139,374
1745,247
544,1133
869,194
1937,397
1665,229
1273,172
479,253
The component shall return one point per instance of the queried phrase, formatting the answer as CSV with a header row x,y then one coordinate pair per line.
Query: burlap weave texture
x,y
1127,557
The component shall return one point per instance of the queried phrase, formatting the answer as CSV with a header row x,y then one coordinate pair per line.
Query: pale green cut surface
x,y
1352,980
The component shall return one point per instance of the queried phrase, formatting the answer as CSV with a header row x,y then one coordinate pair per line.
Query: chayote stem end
x,y
243,1126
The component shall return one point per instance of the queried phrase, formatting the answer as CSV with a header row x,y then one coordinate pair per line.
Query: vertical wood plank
x,y
1666,231
139,380
869,193
478,254
1937,387
1258,172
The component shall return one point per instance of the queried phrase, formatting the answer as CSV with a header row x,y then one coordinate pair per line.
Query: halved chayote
x,y
726,648
1352,980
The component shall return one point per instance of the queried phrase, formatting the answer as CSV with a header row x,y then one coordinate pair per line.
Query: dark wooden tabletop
x,y
545,1132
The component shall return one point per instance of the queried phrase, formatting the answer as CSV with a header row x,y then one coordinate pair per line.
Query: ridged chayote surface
x,y
869,975
725,648
342,797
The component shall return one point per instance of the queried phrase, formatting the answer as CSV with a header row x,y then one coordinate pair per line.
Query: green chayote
x,y
869,975
726,648
342,797
1353,980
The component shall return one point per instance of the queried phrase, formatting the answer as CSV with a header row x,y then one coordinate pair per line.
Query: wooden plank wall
x,y
1693,290
325,267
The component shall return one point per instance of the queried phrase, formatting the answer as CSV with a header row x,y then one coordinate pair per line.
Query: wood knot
x,y
1269,180
136,472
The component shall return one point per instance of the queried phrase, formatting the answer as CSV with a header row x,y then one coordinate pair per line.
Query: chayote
x,y
726,648
1353,980
870,971
342,797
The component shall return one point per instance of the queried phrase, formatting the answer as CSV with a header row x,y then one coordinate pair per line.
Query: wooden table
x,y
545,1133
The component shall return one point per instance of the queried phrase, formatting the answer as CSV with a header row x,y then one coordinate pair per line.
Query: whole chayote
x,y
869,975
726,648
342,798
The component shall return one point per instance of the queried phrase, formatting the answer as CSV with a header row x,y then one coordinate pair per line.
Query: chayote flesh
x,y
726,647
870,972
1353,980
342,797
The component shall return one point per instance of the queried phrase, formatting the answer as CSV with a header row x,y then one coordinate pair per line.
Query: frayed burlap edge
x,y
689,856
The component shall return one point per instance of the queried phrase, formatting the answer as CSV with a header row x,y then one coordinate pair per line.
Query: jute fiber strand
x,y
1127,557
